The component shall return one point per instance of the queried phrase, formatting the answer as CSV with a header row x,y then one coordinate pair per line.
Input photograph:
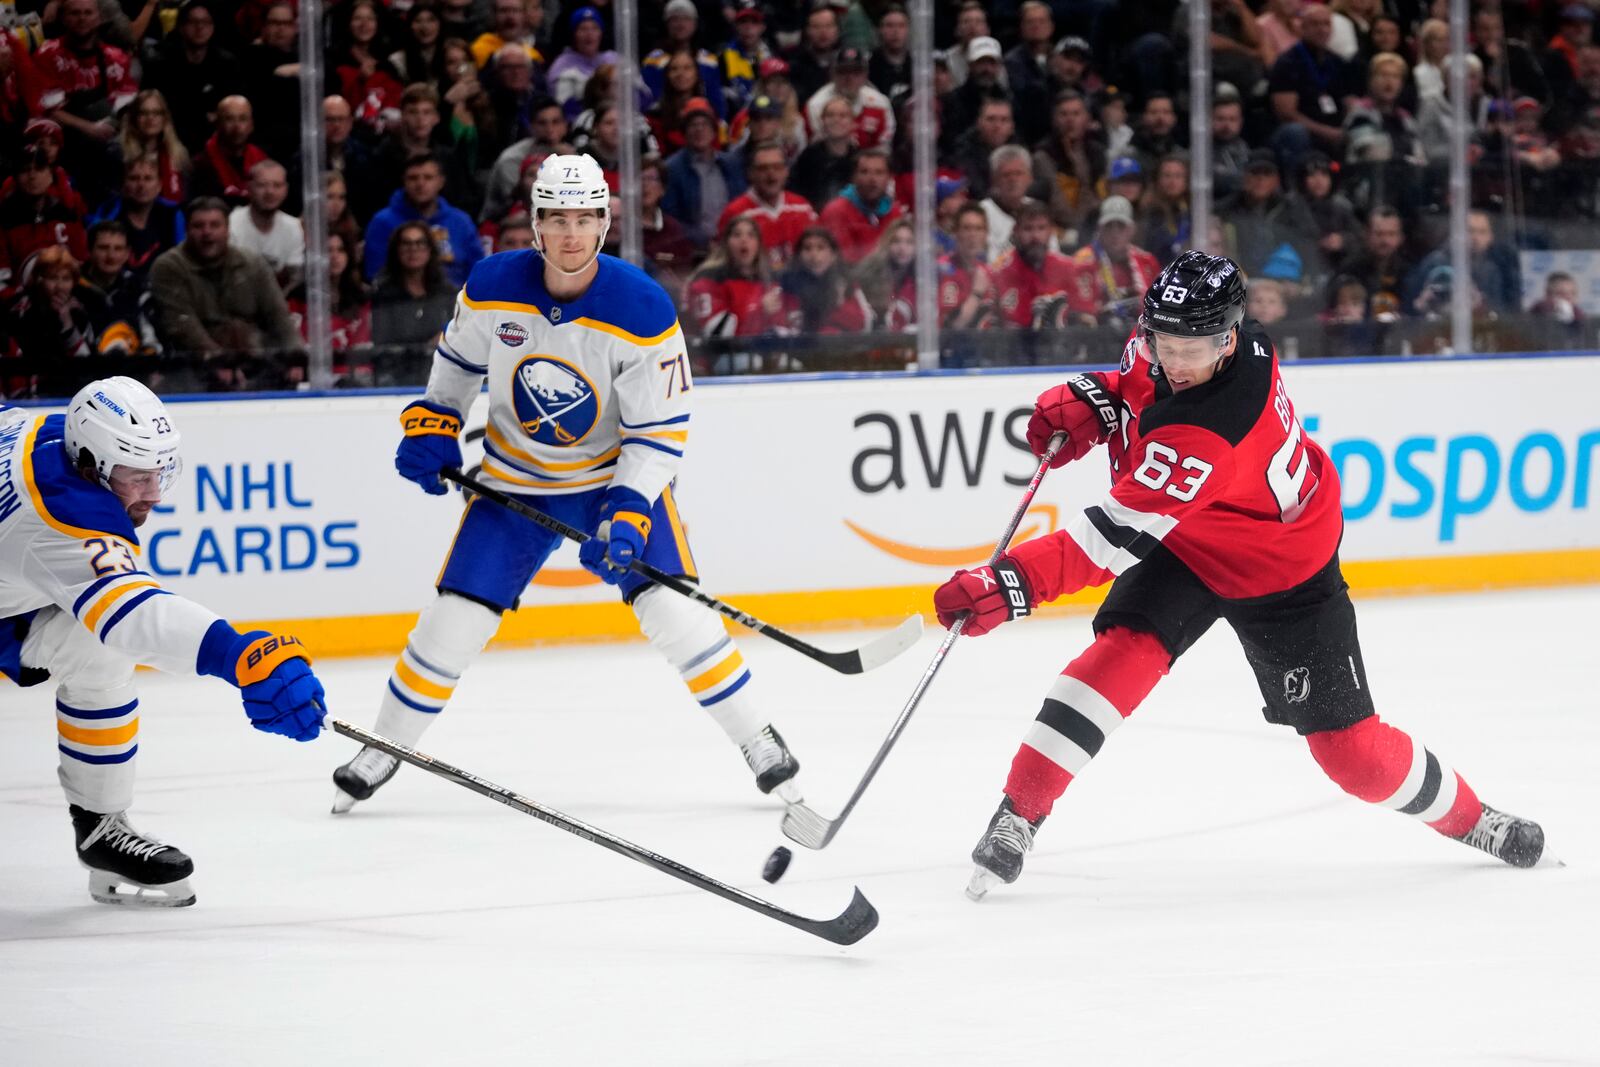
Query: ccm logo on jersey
x,y
512,334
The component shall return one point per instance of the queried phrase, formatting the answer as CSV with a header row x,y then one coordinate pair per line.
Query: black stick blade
x,y
857,920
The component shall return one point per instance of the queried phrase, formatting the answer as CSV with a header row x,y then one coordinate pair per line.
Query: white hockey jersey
x,y
69,542
582,393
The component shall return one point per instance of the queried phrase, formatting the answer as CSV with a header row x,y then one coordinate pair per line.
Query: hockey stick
x,y
801,824
857,920
874,653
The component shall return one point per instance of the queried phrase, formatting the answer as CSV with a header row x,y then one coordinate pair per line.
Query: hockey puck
x,y
776,864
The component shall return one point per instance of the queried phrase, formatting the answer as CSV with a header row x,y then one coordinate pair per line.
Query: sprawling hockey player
x,y
77,607
588,415
1220,507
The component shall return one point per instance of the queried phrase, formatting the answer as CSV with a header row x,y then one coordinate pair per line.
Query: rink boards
x,y
841,500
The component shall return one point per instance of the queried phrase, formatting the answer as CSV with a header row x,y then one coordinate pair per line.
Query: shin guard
x,y
1380,764
448,636
693,640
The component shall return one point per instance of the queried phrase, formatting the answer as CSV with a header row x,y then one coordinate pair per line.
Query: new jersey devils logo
x,y
555,403
1297,685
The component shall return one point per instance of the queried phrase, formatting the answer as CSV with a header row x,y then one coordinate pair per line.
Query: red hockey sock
x,y
1091,698
1383,765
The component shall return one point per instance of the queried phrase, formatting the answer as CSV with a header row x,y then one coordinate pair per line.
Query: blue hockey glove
x,y
431,443
620,539
273,674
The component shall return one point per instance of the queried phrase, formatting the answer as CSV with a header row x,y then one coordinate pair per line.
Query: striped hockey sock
x,y
1380,764
1091,698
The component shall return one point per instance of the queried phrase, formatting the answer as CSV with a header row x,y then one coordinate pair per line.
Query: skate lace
x,y
1012,832
763,752
120,835
1490,832
372,763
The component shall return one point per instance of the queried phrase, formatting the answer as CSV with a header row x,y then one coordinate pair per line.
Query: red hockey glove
x,y
992,595
1082,409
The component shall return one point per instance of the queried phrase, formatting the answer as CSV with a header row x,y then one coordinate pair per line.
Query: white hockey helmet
x,y
121,423
567,183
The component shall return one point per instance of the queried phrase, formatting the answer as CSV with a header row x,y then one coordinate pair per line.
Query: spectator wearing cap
x,y
117,298
742,56
1033,282
762,124
1110,274
418,200
828,163
949,197
153,223
31,218
1560,60
874,118
1070,164
574,67
82,83
213,299
1072,67
1381,263
811,63
511,26
986,80
46,135
260,226
1312,89
782,216
682,20
889,68
1229,150
862,211
1028,70
972,150
1264,218
1125,178
223,168
193,74
701,181
773,84
1010,177
972,22
547,132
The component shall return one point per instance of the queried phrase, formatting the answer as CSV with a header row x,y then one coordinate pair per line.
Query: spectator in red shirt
x,y
31,219
147,130
349,315
83,83
1031,282
874,118
966,289
668,251
670,114
223,169
782,216
732,294
1111,274
859,214
47,135
818,295
889,277
362,69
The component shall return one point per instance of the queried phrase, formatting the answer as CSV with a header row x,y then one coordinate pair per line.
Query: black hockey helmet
x,y
1197,295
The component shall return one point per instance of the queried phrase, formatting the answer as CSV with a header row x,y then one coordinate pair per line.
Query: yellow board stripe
x,y
420,684
498,305
38,501
500,468
700,683
631,338
501,443
104,735
92,617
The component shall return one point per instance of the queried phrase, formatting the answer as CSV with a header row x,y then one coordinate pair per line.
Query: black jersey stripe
x,y
1072,724
1136,543
1431,777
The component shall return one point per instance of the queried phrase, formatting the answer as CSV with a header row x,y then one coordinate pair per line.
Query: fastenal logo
x,y
511,334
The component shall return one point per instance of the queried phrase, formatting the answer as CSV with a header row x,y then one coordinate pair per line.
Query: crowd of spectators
x,y
153,182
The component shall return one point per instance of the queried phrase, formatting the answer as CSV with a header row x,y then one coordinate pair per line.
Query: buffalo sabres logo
x,y
1297,685
512,334
555,403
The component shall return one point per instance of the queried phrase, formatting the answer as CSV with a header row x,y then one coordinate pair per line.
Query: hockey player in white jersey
x,y
588,415
77,607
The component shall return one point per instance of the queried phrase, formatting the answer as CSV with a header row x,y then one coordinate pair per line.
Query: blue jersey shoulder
x,y
509,277
67,496
630,300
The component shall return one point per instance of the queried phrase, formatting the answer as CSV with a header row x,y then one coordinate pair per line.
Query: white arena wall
x,y
840,501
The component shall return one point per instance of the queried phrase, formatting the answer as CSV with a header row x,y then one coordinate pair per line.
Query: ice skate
x,y
1519,842
361,777
1000,850
127,867
774,765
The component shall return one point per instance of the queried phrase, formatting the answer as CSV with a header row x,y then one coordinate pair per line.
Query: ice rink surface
x,y
1201,895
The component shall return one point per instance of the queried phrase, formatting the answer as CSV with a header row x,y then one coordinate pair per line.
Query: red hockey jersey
x,y
722,304
1017,286
1221,474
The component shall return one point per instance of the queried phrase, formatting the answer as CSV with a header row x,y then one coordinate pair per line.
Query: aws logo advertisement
x,y
940,451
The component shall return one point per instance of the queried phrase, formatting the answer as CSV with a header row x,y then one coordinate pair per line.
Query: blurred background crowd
x,y
153,175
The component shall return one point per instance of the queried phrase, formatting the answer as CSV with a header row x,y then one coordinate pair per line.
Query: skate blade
x,y
1546,859
788,792
342,801
982,881
109,889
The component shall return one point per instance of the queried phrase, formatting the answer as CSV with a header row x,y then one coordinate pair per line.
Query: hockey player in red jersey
x,y
1220,507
